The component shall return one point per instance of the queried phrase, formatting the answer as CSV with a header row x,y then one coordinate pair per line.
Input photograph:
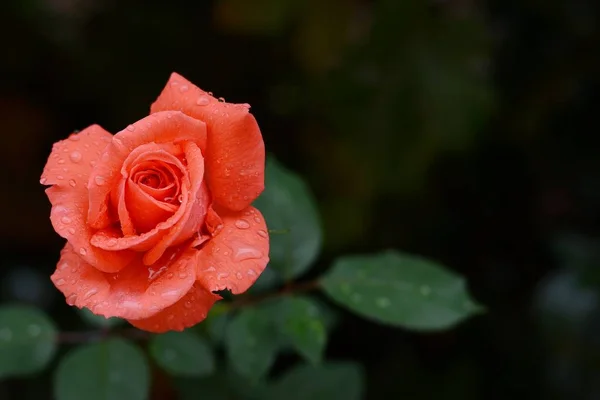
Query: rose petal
x,y
178,228
235,156
195,208
164,127
145,211
136,292
67,170
188,311
237,255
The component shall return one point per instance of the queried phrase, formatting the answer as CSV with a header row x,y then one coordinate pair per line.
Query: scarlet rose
x,y
158,216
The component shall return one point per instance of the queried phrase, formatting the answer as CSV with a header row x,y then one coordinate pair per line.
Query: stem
x,y
285,291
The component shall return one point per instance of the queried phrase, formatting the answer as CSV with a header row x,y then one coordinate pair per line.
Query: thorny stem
x,y
75,337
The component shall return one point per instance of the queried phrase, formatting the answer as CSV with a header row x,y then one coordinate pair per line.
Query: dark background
x,y
466,131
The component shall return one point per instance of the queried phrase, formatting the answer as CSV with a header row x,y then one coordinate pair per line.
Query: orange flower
x,y
158,216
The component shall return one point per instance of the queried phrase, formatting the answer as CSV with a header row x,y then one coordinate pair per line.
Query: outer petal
x,y
136,292
164,127
237,255
235,157
68,169
188,311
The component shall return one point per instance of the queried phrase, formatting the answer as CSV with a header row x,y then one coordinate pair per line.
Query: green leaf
x,y
331,381
182,354
115,370
288,204
250,344
98,320
27,340
400,289
302,323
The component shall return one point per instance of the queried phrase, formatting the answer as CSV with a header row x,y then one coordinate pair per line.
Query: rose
x,y
158,216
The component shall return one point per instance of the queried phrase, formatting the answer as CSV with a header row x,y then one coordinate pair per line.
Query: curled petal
x,y
236,257
69,195
164,127
190,310
136,292
235,156
178,228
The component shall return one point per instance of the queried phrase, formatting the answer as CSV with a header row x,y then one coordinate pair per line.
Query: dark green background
x,y
466,131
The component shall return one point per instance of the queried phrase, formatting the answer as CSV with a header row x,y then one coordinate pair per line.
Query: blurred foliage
x,y
455,129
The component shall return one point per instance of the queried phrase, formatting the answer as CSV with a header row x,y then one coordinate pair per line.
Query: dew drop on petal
x,y
65,220
242,224
82,251
61,161
262,233
75,156
60,282
60,177
72,182
203,100
239,275
99,180
130,128
246,253
71,231
183,88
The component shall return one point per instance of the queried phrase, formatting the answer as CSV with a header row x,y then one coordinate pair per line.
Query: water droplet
x,y
183,275
82,251
222,275
61,161
105,156
242,224
5,334
383,302
170,293
187,304
171,317
210,269
262,233
72,299
75,156
72,182
71,231
93,163
65,220
203,100
246,253
251,272
256,219
170,275
130,128
222,99
425,290
74,137
180,198
60,282
90,293
43,181
183,88
239,275
99,180
60,177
